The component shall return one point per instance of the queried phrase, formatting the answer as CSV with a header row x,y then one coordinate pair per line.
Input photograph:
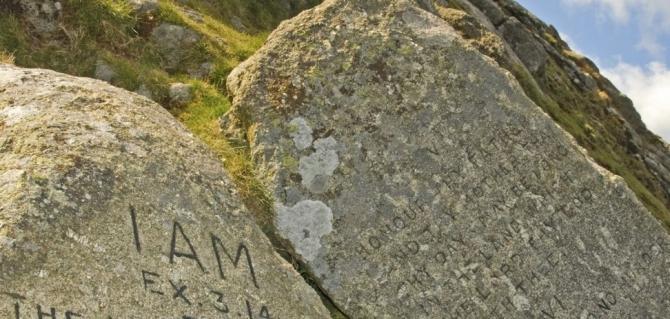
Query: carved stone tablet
x,y
416,180
110,209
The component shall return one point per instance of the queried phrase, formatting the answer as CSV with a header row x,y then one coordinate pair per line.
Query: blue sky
x,y
630,42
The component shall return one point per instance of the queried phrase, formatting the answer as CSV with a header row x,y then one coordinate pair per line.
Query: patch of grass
x,y
202,118
12,37
256,15
110,22
6,57
571,123
224,44
131,75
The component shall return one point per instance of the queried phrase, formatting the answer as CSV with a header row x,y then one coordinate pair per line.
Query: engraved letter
x,y
148,281
241,248
179,292
219,300
41,315
173,246
136,232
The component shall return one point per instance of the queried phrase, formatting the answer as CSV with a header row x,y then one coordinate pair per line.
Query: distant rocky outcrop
x,y
109,208
41,15
414,178
174,43
570,88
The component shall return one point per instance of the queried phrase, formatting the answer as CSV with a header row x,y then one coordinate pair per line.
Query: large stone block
x,y
415,179
109,208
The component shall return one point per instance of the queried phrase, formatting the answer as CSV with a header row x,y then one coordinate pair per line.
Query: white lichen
x,y
304,224
316,168
301,133
521,303
15,114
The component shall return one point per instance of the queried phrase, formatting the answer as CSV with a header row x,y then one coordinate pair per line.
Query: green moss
x,y
255,15
290,163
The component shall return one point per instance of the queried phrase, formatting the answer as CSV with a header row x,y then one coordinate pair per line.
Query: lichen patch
x,y
301,133
304,224
16,114
317,168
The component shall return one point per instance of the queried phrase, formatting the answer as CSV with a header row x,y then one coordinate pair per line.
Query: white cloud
x,y
649,88
652,17
617,9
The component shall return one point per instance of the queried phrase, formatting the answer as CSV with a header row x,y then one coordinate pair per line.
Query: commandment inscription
x,y
452,194
411,241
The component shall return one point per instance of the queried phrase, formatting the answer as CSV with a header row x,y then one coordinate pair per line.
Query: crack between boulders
x,y
335,311
260,214
283,249
301,268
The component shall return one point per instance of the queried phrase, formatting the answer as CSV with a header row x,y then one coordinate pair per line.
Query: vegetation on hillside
x,y
110,32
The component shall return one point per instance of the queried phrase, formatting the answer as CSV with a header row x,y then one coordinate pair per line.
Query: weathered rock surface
x,y
523,42
415,179
144,8
175,43
180,94
110,209
104,71
41,14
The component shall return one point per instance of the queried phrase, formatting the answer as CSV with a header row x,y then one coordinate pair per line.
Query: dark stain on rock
x,y
380,70
284,94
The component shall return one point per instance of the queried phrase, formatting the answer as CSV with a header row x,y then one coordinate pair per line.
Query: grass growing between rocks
x,y
6,58
202,118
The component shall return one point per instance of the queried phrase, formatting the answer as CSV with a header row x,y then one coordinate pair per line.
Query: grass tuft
x,y
6,57
202,118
